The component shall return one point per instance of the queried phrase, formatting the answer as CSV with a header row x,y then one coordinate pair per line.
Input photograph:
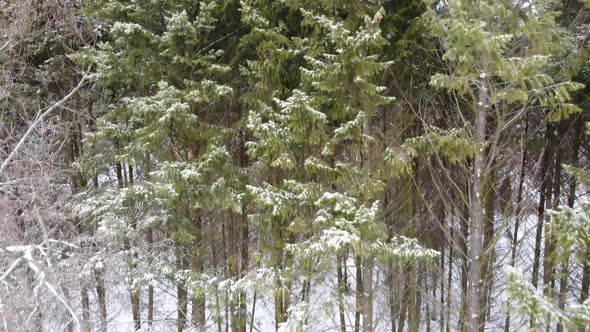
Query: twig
x,y
36,123
4,46
253,311
10,269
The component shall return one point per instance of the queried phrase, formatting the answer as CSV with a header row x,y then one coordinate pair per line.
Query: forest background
x,y
298,165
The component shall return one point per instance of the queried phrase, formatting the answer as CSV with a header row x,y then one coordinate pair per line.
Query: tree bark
x,y
244,241
198,298
474,277
359,294
181,298
368,266
518,211
85,309
488,258
101,296
341,289
405,299
544,195
449,279
563,288
464,265
150,241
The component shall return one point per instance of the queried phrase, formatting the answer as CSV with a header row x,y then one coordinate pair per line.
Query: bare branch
x,y
36,123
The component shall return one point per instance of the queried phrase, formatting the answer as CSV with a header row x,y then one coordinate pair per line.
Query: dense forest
x,y
294,165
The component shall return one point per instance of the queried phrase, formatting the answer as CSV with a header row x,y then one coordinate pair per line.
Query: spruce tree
x,y
499,60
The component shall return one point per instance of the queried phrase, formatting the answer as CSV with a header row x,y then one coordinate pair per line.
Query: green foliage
x,y
570,230
513,54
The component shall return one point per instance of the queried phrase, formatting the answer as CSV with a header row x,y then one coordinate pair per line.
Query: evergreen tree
x,y
500,70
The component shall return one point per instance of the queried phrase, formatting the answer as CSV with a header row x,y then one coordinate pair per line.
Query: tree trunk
x,y
282,289
359,294
101,296
441,319
245,240
544,195
150,241
578,124
474,277
135,309
134,291
368,265
85,309
218,311
231,265
488,258
464,266
585,280
341,290
411,300
405,299
449,279
417,298
181,299
393,294
198,298
548,266
518,211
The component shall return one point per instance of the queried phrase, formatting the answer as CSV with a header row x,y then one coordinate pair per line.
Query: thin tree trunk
x,y
70,326
85,309
101,296
218,311
150,241
368,266
413,269
548,266
585,280
488,256
231,266
518,211
244,241
135,302
441,319
182,299
405,299
198,298
544,194
464,266
135,292
570,203
253,311
474,274
449,279
359,294
393,294
99,272
278,296
281,296
412,299
341,289
417,303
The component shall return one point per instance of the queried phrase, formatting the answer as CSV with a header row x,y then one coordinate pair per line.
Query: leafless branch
x,y
37,122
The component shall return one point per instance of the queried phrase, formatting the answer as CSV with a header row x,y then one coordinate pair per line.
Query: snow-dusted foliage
x,y
293,165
